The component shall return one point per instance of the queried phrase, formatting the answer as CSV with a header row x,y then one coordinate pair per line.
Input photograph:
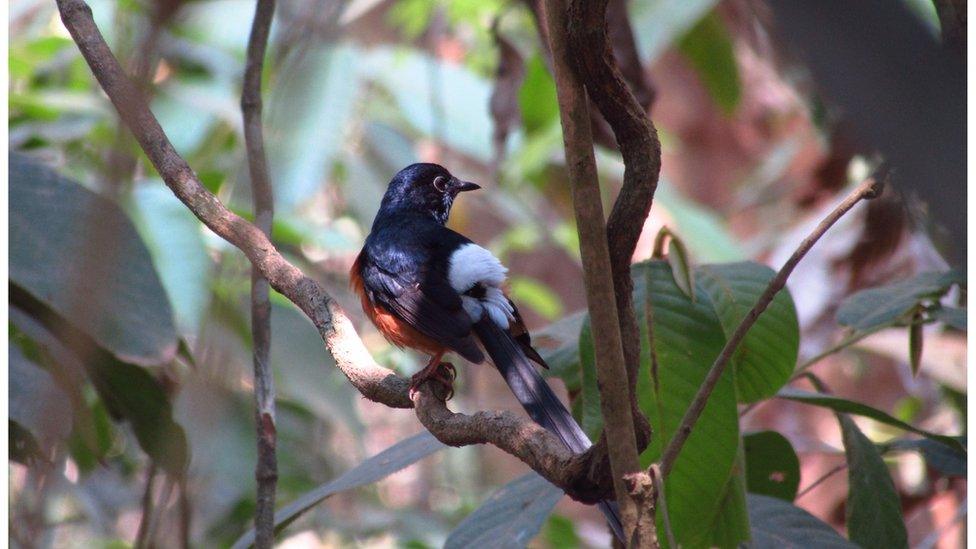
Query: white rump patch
x,y
471,265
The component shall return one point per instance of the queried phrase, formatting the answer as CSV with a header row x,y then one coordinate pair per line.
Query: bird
x,y
433,290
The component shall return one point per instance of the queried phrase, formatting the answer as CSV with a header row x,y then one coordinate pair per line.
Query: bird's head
x,y
424,189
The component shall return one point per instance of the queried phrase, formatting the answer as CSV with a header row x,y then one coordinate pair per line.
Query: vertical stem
x,y
266,470
600,296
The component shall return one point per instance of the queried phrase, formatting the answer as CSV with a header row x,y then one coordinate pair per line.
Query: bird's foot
x,y
443,374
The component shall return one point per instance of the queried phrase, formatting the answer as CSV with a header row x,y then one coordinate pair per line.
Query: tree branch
x,y
266,469
582,476
615,395
869,188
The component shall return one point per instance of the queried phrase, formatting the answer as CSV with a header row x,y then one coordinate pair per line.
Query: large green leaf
x,y
766,358
731,525
380,466
510,517
772,468
687,337
874,516
709,49
120,303
777,524
886,304
129,392
838,404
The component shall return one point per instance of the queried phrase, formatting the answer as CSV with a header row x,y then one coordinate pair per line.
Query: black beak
x,y
467,186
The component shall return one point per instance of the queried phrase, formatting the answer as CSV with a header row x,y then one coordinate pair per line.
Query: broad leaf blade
x,y
874,517
686,339
838,404
380,466
766,358
510,517
709,49
772,467
777,524
50,219
876,307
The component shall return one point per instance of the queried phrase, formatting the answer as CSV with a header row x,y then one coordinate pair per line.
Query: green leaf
x,y
887,304
952,316
766,358
731,526
175,240
560,532
772,467
684,275
777,524
658,24
709,49
129,392
687,337
126,309
536,295
591,416
874,517
380,466
511,517
537,97
948,461
838,404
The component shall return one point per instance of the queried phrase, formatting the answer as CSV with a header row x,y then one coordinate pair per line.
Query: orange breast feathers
x,y
396,331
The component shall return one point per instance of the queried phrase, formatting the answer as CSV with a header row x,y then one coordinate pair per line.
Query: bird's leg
x,y
441,372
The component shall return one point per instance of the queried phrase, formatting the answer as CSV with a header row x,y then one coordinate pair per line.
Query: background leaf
x,y
510,517
874,516
777,524
883,305
766,358
708,47
772,467
131,316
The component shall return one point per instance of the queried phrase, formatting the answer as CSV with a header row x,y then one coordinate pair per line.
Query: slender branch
x,y
583,477
600,296
266,470
591,46
869,188
147,508
822,478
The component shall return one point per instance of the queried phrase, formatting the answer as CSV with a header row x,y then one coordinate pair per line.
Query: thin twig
x,y
822,478
662,503
870,188
147,508
266,470
600,296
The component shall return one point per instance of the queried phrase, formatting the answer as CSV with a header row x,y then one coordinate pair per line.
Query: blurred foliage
x,y
130,352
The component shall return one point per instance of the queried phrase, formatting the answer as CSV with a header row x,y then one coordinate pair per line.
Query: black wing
x,y
421,296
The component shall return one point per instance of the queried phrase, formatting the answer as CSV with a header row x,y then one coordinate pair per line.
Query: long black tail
x,y
535,395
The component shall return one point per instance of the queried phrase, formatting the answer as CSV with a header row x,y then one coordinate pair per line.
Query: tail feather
x,y
538,399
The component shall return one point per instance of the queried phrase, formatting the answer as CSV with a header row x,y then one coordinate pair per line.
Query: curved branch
x,y
519,437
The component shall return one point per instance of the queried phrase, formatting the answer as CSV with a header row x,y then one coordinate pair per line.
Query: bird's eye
x,y
440,183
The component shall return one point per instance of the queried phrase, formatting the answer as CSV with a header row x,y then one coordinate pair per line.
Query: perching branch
x,y
615,401
516,435
869,188
266,470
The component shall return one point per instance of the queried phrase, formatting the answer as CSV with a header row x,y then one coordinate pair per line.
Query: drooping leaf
x,y
387,462
686,339
510,517
119,301
772,467
915,342
766,358
36,403
591,415
838,404
875,307
709,49
684,274
948,461
537,97
874,516
777,524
